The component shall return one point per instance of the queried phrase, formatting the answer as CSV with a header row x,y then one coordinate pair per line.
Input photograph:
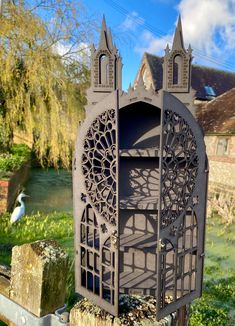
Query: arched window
x,y
177,70
103,70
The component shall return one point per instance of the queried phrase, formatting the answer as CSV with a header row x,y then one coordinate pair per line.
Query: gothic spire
x,y
105,37
106,66
178,42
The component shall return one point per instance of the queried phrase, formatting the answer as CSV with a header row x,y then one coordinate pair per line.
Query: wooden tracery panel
x,y
96,213
182,205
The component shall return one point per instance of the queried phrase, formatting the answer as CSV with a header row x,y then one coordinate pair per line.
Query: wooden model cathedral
x,y
139,182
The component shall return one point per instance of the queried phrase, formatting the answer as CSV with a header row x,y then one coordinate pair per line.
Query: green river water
x,y
49,190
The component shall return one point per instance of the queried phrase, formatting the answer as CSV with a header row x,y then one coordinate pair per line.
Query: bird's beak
x,y
26,196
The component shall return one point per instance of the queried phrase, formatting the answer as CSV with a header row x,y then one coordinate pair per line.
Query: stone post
x,y
38,276
86,313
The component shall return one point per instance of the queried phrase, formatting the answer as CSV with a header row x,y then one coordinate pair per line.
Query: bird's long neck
x,y
21,202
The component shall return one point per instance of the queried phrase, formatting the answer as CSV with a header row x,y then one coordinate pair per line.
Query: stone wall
x,y
222,168
10,188
222,176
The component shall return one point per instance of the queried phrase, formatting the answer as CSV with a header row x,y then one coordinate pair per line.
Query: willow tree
x,y
43,73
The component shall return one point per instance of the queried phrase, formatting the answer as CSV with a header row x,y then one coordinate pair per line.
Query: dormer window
x,y
210,92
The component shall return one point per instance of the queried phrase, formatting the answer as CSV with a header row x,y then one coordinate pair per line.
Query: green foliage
x,y
20,150
42,90
217,304
4,135
216,307
13,160
71,296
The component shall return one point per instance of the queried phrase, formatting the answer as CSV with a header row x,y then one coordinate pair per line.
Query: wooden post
x,y
182,316
38,276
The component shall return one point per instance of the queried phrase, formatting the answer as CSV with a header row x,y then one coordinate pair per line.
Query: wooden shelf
x,y
139,202
140,241
139,152
136,280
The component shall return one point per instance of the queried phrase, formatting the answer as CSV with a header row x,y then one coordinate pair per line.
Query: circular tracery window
x,y
99,165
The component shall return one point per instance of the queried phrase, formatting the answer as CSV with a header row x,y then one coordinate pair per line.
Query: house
x,y
217,119
210,98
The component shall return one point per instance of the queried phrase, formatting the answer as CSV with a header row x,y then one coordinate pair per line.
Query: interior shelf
x,y
140,241
140,152
134,279
139,202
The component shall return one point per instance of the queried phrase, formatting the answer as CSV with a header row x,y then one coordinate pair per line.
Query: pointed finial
x,y
92,48
106,40
167,49
129,88
104,27
103,34
190,50
178,42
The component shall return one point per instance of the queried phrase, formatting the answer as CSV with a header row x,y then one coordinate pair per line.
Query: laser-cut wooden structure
x,y
139,183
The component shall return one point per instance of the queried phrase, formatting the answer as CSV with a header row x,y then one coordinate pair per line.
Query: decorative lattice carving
x,y
180,281
99,165
179,167
90,251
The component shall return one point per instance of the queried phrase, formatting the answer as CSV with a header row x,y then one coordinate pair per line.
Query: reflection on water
x,y
49,190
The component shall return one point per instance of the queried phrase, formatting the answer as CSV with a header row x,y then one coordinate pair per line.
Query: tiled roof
x,y
218,116
221,81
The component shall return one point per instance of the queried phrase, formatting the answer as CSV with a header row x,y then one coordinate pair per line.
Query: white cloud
x,y
208,25
131,22
150,43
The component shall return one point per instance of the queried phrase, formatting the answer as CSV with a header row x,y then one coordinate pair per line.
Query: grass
x,y
216,307
57,226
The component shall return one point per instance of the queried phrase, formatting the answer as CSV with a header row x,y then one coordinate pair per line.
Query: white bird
x,y
19,211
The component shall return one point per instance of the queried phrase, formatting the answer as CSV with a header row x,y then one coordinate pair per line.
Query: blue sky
x,y
139,26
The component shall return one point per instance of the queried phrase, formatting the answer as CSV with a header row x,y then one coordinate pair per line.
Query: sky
x,y
147,26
